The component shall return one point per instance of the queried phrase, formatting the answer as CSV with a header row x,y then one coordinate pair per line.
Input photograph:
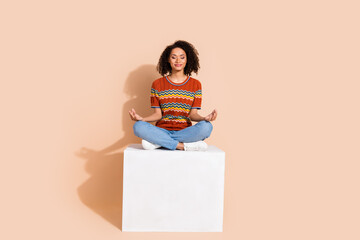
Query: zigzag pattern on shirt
x,y
175,93
171,120
180,107
154,92
198,93
170,117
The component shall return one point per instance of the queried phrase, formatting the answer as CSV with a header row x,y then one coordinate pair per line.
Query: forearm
x,y
196,117
152,118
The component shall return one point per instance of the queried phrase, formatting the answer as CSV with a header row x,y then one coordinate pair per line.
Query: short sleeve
x,y
197,97
154,97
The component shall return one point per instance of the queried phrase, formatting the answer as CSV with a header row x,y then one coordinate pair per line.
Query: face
x,y
177,59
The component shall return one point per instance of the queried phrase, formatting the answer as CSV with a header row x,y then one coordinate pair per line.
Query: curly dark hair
x,y
192,63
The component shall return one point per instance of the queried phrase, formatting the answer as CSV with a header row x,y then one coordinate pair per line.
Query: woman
x,y
176,98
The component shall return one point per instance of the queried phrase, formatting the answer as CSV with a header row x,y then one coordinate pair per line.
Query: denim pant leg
x,y
197,132
154,134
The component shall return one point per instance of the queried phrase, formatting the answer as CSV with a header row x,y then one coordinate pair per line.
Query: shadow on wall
x,y
102,192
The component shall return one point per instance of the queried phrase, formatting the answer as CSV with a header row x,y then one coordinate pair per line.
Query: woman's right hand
x,y
134,116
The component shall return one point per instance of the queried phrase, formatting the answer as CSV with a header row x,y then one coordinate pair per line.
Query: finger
x,y
214,112
132,117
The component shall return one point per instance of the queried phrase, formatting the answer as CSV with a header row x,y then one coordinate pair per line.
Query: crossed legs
x,y
172,139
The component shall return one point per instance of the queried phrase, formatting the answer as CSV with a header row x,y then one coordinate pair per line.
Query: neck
x,y
178,76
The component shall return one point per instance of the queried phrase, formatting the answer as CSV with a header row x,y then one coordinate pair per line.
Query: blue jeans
x,y
169,138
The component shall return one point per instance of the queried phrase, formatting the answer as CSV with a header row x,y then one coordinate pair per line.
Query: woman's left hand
x,y
212,116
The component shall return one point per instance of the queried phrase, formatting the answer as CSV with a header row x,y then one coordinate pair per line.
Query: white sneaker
x,y
148,145
195,146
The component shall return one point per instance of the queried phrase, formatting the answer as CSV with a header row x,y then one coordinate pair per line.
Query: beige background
x,y
284,76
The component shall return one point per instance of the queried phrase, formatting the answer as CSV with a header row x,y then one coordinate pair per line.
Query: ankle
x,y
180,146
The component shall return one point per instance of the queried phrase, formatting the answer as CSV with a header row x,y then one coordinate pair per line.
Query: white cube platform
x,y
173,191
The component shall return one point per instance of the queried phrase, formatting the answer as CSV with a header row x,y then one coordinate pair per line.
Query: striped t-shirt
x,y
175,100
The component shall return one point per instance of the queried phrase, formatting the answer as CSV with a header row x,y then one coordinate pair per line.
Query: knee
x,y
206,128
139,128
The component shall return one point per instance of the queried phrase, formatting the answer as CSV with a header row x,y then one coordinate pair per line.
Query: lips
x,y
177,65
